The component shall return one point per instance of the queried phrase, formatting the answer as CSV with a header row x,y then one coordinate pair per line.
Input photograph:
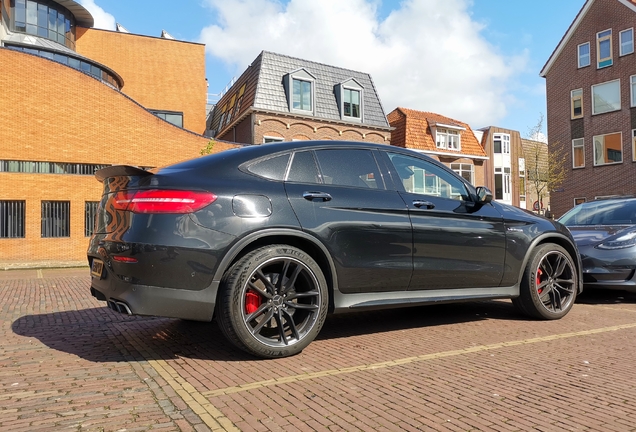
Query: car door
x,y
456,242
339,196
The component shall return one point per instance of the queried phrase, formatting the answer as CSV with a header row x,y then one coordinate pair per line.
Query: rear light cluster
x,y
162,201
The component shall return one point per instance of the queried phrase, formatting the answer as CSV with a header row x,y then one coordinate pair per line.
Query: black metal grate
x,y
12,219
56,219
49,167
90,212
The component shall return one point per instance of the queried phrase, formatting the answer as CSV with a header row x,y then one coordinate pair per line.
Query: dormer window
x,y
299,86
349,95
447,137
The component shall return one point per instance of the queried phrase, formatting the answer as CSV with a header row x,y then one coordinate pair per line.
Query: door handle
x,y
310,196
427,204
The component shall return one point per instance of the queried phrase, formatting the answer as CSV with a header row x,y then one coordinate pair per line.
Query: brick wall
x,y
290,128
565,76
160,74
54,113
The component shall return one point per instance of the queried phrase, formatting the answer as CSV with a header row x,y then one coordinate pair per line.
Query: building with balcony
x,y
74,99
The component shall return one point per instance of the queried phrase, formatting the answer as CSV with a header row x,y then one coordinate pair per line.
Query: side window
x,y
422,177
272,168
353,168
303,168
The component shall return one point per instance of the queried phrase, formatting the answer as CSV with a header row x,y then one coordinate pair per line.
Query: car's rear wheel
x,y
549,285
273,301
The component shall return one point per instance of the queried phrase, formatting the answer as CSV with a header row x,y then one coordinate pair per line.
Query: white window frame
x,y
301,75
594,139
448,139
522,179
360,94
581,199
573,98
505,143
629,43
619,96
632,90
461,168
272,139
605,61
633,145
578,143
587,56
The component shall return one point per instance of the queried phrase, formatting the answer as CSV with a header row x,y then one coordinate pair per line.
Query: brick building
x,y
75,99
504,170
591,98
449,141
282,98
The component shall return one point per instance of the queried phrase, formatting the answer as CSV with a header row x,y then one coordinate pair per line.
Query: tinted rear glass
x,y
346,167
303,168
272,168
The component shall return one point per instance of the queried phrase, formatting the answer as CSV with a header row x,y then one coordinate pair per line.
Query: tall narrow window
x,y
301,99
584,54
56,219
627,41
501,143
604,48
634,145
90,211
608,149
578,153
12,219
632,89
351,101
577,103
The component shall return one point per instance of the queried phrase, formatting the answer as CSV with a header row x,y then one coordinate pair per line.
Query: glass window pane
x,y
303,169
272,168
52,19
306,95
354,168
43,16
605,49
31,12
73,62
606,97
20,11
60,23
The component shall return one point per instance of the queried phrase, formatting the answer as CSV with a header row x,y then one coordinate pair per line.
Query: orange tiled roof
x,y
418,134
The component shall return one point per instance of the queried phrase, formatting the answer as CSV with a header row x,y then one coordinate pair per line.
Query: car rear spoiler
x,y
120,171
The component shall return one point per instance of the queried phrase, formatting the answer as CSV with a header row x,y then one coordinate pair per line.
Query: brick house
x,y
449,141
75,99
591,98
504,170
282,98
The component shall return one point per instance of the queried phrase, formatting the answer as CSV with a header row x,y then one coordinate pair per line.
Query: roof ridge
x,y
315,62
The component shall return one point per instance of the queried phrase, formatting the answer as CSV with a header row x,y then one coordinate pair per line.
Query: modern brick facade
x,y
417,130
55,116
595,132
257,108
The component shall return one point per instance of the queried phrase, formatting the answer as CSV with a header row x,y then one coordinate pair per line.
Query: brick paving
x,y
69,363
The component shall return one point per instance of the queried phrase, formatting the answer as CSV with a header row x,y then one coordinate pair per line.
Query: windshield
x,y
601,213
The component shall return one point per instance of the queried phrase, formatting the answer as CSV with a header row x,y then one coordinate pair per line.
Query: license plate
x,y
96,268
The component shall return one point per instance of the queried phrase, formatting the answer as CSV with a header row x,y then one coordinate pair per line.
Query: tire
x,y
273,301
549,283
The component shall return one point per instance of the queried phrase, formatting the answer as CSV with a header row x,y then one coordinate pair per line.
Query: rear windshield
x,y
601,213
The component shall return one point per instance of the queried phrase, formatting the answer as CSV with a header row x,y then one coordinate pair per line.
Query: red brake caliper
x,y
252,302
539,273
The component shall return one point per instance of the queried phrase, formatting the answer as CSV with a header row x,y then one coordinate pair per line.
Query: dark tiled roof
x,y
265,90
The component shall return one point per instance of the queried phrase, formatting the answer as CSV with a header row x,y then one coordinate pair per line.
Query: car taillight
x,y
162,201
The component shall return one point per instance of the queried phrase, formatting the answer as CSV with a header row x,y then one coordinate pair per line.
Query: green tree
x,y
545,162
208,149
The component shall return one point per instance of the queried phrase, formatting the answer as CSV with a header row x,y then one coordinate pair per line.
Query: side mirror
x,y
484,195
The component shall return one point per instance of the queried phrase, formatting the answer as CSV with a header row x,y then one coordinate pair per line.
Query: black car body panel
x,y
377,244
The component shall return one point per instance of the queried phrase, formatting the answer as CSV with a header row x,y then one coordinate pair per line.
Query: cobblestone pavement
x,y
69,363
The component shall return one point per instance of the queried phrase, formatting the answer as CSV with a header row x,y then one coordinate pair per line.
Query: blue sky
x,y
477,61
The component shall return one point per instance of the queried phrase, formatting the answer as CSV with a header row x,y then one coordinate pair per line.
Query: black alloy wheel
x,y
275,301
549,285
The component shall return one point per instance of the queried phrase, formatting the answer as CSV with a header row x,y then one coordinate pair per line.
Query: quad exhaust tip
x,y
119,306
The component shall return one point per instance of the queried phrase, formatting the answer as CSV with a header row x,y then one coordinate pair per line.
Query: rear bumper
x,y
157,301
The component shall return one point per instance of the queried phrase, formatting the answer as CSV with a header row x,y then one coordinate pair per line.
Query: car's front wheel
x,y
273,301
549,284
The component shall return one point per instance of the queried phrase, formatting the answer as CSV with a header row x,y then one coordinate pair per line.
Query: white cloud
x,y
427,54
103,20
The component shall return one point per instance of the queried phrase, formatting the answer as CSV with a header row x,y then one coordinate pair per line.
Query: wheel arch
x,y
562,241
298,239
